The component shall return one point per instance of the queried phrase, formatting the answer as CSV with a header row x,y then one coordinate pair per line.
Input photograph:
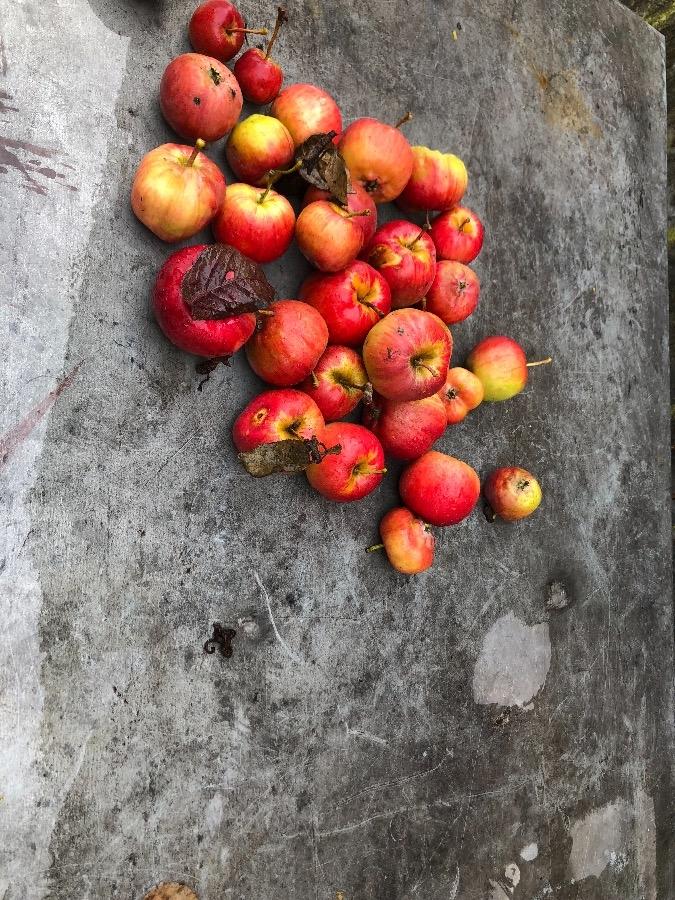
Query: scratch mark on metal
x,y
284,646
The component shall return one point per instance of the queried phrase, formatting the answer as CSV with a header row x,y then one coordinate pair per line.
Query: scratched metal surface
x,y
378,736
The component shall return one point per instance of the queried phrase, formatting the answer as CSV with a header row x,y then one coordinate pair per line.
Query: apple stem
x,y
374,548
263,31
429,369
373,307
464,223
427,224
199,146
315,380
406,118
423,303
281,18
540,362
374,472
265,312
411,246
274,175
351,214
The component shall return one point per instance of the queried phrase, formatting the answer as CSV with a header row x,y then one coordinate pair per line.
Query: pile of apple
x,y
369,326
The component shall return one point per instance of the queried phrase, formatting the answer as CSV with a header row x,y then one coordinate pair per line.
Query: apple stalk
x,y
540,362
281,18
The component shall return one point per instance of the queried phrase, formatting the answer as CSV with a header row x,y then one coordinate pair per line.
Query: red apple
x,y
440,489
212,338
453,296
328,236
289,343
217,29
337,383
457,234
406,429
199,97
461,393
353,472
513,493
378,156
177,191
351,301
257,145
260,77
259,223
277,415
357,199
438,180
501,365
306,110
407,354
407,541
405,255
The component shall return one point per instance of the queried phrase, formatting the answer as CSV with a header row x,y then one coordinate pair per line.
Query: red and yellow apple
x,y
177,190
406,429
351,301
306,110
355,471
358,199
405,255
461,393
407,354
256,145
328,235
199,97
337,382
438,180
259,223
502,367
513,493
457,234
277,415
378,157
453,296
440,489
407,541
259,76
289,343
217,29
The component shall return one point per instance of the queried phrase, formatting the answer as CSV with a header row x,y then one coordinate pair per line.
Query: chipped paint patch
x,y
529,852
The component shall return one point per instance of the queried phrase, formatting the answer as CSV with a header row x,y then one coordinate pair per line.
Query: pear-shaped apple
x,y
512,492
177,190
407,541
501,365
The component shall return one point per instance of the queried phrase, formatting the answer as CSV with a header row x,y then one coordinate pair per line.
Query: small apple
x,y
260,223
357,199
440,489
257,145
211,338
501,365
337,383
453,296
277,415
306,110
407,354
438,180
378,156
409,428
328,236
405,255
260,78
512,493
289,343
351,301
407,541
177,190
199,97
355,471
457,234
217,29
461,393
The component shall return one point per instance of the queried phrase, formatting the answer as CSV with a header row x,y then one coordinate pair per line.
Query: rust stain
x,y
13,156
18,434
563,103
171,890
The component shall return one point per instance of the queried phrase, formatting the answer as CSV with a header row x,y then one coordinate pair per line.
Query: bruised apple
x,y
199,97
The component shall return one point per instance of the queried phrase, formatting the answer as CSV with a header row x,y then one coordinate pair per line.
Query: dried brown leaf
x,y
222,282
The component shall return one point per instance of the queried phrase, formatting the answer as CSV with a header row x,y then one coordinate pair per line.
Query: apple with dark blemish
x,y
407,541
461,393
404,254
338,382
199,97
277,415
355,471
406,429
439,488
453,295
288,344
217,29
457,234
513,493
502,367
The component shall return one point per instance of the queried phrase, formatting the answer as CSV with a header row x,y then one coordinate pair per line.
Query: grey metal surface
x,y
383,737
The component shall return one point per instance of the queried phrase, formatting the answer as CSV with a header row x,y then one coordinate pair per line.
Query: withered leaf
x,y
285,457
323,165
223,282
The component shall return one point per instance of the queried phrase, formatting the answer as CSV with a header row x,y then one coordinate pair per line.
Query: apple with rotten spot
x,y
217,28
407,541
211,338
199,97
378,157
260,77
328,236
258,145
357,199
352,473
259,223
406,429
502,367
439,488
438,181
177,190
457,234
513,493
306,110
337,383
405,255
277,415
453,295
351,301
407,354
461,393
288,344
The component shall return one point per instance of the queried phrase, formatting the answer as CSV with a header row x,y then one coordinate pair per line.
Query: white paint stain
x,y
529,852
599,839
213,815
512,876
513,663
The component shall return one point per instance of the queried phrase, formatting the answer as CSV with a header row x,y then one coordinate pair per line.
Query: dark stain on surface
x,y
4,107
13,156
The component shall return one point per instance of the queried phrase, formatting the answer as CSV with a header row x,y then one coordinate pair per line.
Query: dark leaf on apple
x,y
285,457
223,282
323,166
